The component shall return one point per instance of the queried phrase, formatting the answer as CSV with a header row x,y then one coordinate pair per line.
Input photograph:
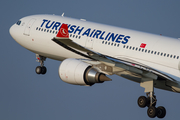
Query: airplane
x,y
90,51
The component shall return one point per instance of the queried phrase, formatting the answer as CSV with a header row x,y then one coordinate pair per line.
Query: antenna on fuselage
x,y
62,15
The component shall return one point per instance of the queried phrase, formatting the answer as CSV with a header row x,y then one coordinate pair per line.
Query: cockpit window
x,y
18,22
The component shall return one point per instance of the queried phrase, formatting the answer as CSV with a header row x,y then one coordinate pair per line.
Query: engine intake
x,y
76,72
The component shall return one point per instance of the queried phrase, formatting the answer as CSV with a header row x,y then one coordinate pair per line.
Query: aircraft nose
x,y
15,33
11,31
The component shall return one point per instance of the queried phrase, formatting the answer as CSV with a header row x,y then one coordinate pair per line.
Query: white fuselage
x,y
159,52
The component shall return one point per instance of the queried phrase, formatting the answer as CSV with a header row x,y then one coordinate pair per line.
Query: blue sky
x,y
24,95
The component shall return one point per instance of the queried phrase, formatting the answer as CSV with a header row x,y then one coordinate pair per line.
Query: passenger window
x,y
139,49
164,54
118,45
37,28
115,44
133,48
127,47
145,50
158,53
44,30
124,46
130,47
79,37
167,55
151,52
161,54
155,52
171,56
136,49
111,43
177,57
174,56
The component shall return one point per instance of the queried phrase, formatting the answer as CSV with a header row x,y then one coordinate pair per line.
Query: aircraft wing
x,y
123,67
127,64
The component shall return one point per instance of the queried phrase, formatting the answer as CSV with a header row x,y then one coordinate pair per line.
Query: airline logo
x,y
89,32
63,32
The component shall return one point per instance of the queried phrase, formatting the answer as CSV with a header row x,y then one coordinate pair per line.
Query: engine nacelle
x,y
76,72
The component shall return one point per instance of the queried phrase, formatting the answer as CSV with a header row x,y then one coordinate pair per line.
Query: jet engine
x,y
77,72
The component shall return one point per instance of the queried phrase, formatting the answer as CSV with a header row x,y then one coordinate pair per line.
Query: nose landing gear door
x,y
28,27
